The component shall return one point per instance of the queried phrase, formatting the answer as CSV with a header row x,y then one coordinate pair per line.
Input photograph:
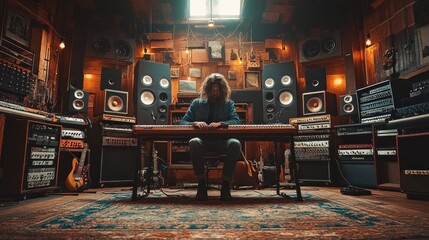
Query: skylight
x,y
214,9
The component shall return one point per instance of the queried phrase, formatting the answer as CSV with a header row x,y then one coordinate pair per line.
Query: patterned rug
x,y
253,214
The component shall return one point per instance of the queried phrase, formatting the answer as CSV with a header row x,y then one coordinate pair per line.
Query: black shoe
x,y
202,190
225,192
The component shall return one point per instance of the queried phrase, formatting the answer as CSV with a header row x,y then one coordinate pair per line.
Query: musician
x,y
213,109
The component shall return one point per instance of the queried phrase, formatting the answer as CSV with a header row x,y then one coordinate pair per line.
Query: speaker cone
x,y
101,46
164,83
163,97
269,108
147,80
162,109
311,48
111,82
122,49
78,104
348,108
79,94
269,83
286,80
314,104
147,98
286,98
269,96
348,98
315,83
115,103
329,44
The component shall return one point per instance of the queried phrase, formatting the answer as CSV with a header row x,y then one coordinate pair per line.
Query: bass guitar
x,y
78,179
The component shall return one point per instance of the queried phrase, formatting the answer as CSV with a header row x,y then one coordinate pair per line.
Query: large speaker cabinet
x,y
30,158
413,163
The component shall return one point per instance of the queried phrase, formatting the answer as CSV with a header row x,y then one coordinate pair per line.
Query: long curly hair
x,y
216,78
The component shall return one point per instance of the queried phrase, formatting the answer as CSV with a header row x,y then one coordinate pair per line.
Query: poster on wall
x,y
17,28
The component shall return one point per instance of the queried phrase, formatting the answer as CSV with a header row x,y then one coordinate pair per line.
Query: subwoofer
x,y
112,101
153,92
348,105
77,100
279,99
120,49
324,46
318,102
315,79
110,78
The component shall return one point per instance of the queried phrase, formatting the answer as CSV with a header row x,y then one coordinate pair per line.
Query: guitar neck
x,y
82,160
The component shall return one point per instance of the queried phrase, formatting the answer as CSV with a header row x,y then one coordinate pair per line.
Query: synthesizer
x,y
239,131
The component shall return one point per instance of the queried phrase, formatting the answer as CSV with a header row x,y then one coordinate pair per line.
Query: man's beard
x,y
214,99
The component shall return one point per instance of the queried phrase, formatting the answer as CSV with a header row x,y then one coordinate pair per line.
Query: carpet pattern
x,y
253,214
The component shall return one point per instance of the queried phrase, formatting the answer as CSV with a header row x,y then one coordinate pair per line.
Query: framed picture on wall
x,y
174,72
232,75
251,80
17,28
195,72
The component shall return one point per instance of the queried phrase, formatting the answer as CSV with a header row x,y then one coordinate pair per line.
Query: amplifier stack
x,y
30,158
355,154
313,147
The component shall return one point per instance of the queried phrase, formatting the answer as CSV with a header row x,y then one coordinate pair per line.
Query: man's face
x,y
214,93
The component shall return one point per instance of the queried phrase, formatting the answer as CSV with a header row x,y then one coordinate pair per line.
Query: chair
x,y
212,160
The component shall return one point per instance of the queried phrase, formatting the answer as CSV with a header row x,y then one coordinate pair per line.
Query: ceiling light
x,y
211,23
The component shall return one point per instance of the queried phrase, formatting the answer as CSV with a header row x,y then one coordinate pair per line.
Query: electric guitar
x,y
78,179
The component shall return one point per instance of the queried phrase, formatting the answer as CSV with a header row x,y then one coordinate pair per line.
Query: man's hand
x,y
200,125
215,125
203,125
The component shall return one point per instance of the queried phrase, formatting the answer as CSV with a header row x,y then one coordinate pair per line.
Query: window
x,y
214,9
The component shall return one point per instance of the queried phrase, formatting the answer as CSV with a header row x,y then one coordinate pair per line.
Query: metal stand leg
x,y
143,177
293,167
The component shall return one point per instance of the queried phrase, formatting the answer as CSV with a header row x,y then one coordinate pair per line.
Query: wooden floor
x,y
18,208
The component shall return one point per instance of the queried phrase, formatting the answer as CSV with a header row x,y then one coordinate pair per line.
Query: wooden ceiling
x,y
283,15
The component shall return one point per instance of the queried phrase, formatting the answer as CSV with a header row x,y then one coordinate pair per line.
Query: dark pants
x,y
231,148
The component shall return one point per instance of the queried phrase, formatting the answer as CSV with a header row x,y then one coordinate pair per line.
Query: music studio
x,y
332,96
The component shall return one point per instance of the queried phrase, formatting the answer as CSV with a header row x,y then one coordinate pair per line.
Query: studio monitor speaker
x,y
279,99
112,101
323,46
320,102
348,105
110,78
108,47
315,79
413,163
153,92
77,100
